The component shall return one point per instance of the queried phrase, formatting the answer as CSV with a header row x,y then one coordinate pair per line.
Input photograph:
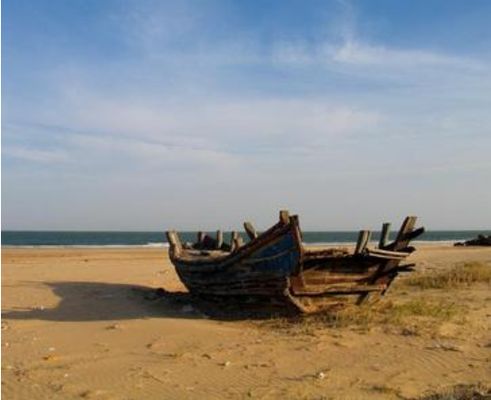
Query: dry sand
x,y
75,325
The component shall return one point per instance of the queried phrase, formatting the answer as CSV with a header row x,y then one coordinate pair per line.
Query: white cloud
x,y
35,154
216,125
358,53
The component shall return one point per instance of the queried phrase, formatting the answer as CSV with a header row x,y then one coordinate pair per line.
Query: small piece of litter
x,y
114,326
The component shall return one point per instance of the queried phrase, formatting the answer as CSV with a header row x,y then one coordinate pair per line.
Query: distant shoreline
x,y
165,245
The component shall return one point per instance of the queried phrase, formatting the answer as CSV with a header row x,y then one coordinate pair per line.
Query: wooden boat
x,y
274,269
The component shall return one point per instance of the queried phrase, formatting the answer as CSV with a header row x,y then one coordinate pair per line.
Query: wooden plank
x,y
407,237
239,241
219,239
355,289
284,217
174,241
250,230
233,241
402,237
400,243
386,254
384,234
361,244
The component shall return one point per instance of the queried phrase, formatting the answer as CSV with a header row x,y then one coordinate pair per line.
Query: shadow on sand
x,y
94,301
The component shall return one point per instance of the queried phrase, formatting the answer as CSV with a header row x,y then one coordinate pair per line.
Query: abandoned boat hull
x,y
263,271
274,267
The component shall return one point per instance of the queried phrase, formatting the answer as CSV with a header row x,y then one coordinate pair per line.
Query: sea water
x,y
158,239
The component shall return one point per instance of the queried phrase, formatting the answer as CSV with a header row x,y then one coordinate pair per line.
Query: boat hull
x,y
275,268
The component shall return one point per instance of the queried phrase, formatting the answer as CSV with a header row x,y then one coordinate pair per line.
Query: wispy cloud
x,y
358,53
35,155
197,105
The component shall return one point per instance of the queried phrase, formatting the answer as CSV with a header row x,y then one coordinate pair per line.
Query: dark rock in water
x,y
481,240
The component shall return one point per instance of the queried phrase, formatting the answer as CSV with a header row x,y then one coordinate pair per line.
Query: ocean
x,y
158,239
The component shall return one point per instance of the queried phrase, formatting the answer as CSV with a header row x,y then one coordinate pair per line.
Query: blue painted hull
x,y
263,270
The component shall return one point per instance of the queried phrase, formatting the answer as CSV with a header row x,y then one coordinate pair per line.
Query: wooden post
x,y
233,241
201,237
402,237
250,230
239,242
284,216
384,235
174,242
219,239
363,238
401,242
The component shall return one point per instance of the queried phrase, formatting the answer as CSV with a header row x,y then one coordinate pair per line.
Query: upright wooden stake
x,y
174,241
284,216
233,241
384,235
201,237
250,230
363,238
219,239
407,226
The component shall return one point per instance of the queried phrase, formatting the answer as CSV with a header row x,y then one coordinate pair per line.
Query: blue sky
x,y
151,114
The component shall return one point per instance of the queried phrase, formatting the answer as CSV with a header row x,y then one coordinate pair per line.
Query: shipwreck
x,y
275,269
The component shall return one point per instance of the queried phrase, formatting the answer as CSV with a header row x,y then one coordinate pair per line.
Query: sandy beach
x,y
78,323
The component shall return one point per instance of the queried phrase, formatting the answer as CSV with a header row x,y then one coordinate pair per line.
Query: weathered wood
x,y
250,230
384,234
284,217
403,237
354,289
391,255
403,268
239,241
174,242
200,237
233,241
219,239
400,243
363,239
275,267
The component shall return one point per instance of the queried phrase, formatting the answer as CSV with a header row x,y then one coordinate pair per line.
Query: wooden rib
x,y
239,241
174,241
406,237
361,244
386,254
402,237
219,239
284,217
250,230
233,241
200,237
401,242
384,234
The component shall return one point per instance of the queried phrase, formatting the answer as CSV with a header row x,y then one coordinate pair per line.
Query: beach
x,y
82,323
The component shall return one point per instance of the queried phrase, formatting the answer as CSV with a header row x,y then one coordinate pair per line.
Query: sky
x,y
149,115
